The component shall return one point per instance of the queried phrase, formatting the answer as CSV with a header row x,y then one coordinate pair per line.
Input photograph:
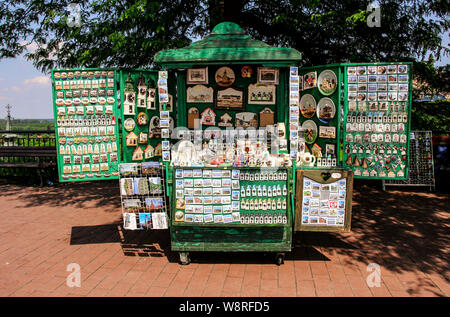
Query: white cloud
x,y
30,47
15,88
38,80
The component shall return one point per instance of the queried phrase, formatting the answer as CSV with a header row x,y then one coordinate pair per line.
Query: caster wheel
x,y
280,259
184,258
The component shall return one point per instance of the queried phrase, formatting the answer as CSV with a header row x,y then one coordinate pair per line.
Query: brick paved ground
x,y
44,230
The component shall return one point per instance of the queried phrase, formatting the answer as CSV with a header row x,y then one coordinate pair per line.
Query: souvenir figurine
x,y
129,97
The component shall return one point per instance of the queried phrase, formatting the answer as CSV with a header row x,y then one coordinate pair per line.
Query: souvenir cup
x,y
307,159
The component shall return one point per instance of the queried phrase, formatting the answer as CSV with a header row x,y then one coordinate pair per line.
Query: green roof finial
x,y
227,28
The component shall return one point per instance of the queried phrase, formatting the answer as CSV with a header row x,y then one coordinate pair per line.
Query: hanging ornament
x,y
348,161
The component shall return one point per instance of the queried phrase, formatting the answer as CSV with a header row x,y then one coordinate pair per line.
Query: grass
x,y
29,124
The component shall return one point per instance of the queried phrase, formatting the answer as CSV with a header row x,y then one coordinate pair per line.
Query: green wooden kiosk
x,y
268,230
354,119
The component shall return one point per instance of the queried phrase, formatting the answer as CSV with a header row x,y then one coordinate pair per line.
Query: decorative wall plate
x,y
224,76
327,82
141,118
310,130
308,105
326,110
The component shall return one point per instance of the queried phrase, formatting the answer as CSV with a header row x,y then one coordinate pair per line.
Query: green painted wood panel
x,y
79,121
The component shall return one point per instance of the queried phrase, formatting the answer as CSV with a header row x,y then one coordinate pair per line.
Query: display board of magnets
x,y
146,123
230,197
377,112
86,123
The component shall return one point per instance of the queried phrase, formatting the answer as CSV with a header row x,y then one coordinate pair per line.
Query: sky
x,y
29,91
26,89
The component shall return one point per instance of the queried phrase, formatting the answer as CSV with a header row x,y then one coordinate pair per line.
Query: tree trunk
x,y
225,11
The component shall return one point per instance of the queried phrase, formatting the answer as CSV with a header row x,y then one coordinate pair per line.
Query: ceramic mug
x,y
308,159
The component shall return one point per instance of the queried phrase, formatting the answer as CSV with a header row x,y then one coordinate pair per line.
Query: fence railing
x,y
22,149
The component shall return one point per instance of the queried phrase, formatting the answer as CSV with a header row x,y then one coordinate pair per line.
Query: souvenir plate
x,y
224,76
326,110
310,130
129,124
308,106
327,82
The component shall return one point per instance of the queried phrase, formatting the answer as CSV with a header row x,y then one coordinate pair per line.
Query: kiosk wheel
x,y
279,259
184,258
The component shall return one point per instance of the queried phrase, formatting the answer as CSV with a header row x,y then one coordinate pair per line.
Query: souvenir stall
x,y
231,166
231,145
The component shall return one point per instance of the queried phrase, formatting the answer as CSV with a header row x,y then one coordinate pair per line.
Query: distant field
x,y
29,124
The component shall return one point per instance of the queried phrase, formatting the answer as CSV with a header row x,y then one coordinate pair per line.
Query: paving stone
x,y
87,230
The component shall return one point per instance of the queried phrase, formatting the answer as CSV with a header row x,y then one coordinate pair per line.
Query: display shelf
x,y
421,163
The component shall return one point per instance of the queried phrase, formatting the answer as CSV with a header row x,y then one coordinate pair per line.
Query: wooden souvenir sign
x,y
261,94
199,94
149,152
225,121
246,119
230,98
268,76
208,117
266,117
197,76
193,114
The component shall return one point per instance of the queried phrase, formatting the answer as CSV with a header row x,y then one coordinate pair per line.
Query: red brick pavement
x,y
45,229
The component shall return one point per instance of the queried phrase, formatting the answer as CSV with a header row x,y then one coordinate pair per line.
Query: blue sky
x,y
29,92
26,89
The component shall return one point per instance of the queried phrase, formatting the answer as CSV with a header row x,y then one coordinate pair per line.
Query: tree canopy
x,y
126,33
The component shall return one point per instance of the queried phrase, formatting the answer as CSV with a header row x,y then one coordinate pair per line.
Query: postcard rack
x,y
143,196
421,165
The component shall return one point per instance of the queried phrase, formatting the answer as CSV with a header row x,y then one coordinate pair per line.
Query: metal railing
x,y
26,148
